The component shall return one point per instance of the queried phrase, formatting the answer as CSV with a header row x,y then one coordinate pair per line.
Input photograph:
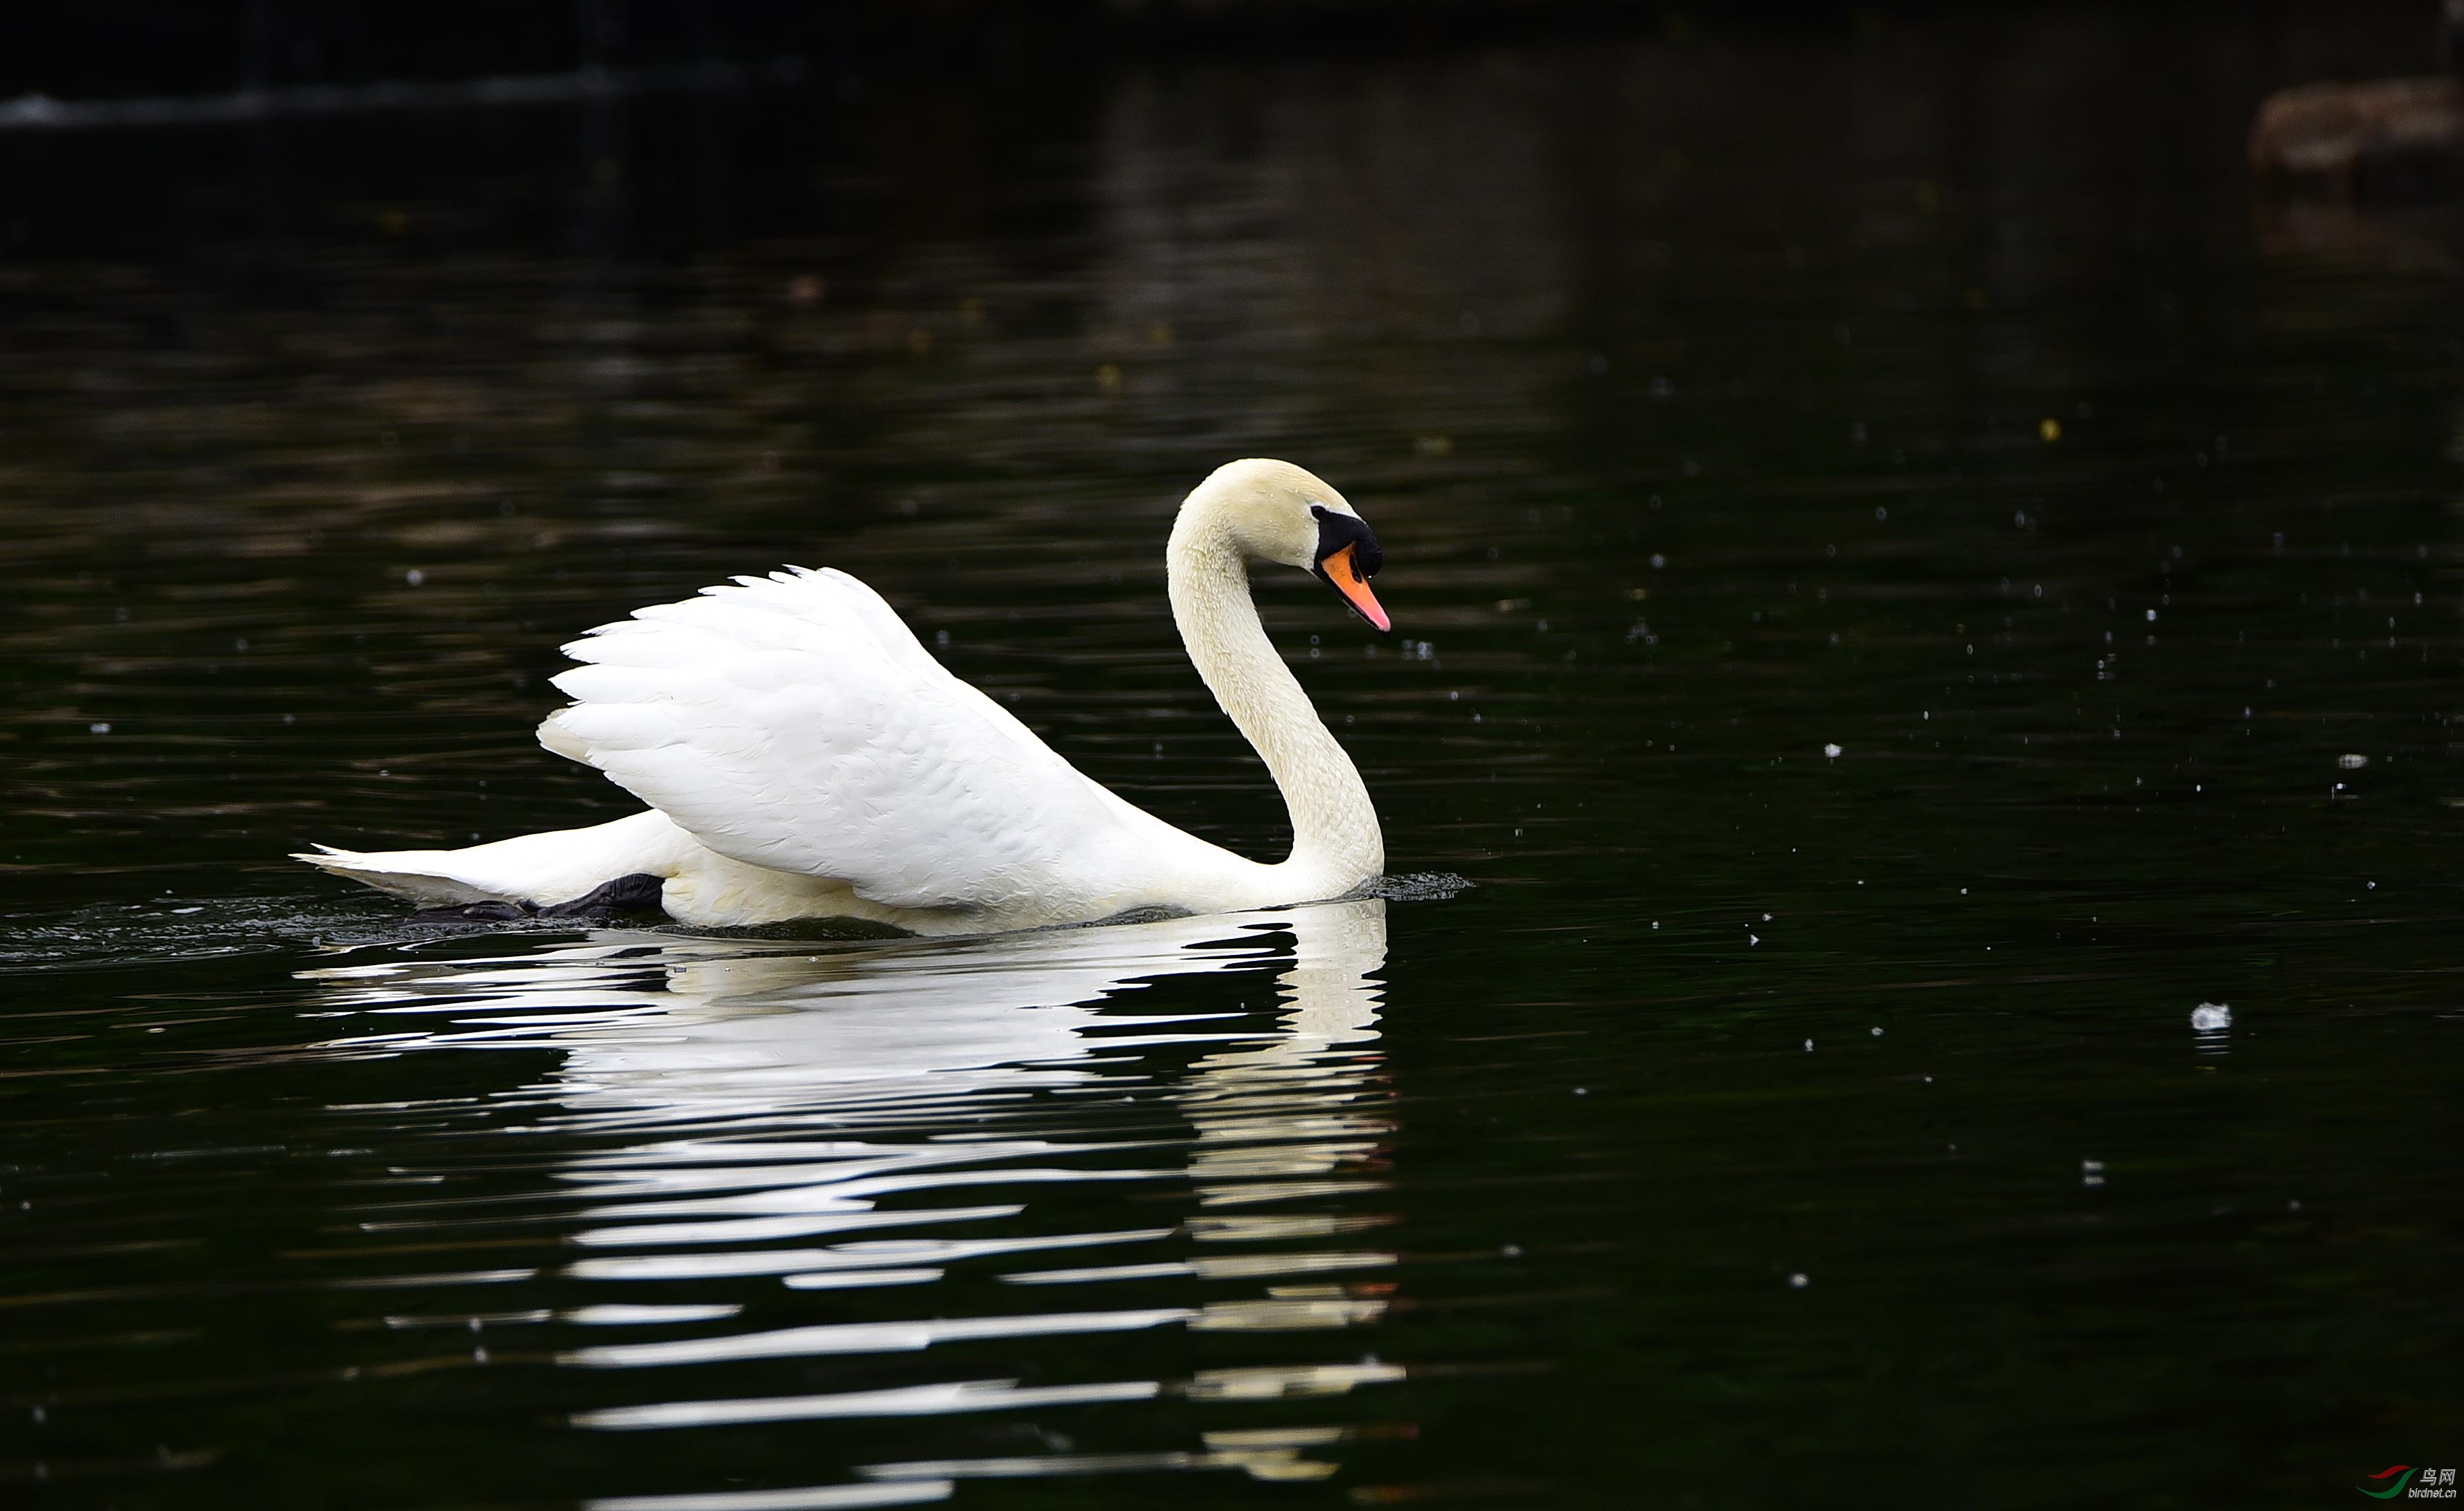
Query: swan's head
x,y
1276,511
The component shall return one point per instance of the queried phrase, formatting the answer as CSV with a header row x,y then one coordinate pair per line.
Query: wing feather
x,y
793,721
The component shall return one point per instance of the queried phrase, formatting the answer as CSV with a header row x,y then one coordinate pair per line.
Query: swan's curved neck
x,y
1334,828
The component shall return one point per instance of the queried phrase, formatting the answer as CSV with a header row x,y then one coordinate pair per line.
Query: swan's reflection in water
x,y
857,1139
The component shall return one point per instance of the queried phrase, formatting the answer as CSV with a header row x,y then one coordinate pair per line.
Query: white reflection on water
x,y
726,1111
806,1498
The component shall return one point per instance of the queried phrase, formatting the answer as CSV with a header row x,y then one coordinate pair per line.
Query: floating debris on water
x,y
1799,1281
1831,751
2352,762
2211,1017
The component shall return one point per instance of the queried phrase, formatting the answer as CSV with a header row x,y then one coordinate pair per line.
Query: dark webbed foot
x,y
637,893
625,895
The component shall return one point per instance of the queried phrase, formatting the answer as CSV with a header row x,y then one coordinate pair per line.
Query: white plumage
x,y
804,755
720,711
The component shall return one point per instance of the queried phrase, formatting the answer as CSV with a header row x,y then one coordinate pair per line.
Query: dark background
x,y
124,48
131,47
1694,367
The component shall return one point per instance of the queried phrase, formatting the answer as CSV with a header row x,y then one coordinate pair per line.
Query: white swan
x,y
805,757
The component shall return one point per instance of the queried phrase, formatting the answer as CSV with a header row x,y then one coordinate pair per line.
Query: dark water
x,y
1768,1125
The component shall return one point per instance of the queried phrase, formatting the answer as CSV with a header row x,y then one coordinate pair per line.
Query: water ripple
x,y
692,1111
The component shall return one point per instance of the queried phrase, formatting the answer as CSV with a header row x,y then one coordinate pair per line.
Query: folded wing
x,y
794,722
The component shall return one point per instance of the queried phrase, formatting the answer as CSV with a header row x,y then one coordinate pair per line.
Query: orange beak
x,y
1344,572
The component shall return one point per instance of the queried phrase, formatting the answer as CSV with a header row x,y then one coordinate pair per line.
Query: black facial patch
x,y
1336,531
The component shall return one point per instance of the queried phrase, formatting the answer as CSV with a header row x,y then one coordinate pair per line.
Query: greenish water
x,y
1764,1125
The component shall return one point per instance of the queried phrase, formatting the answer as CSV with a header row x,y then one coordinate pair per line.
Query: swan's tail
x,y
427,877
539,869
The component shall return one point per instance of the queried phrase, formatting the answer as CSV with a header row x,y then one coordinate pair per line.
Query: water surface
x,y
1907,583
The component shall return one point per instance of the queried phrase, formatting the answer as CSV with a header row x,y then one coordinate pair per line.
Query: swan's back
x,y
794,722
